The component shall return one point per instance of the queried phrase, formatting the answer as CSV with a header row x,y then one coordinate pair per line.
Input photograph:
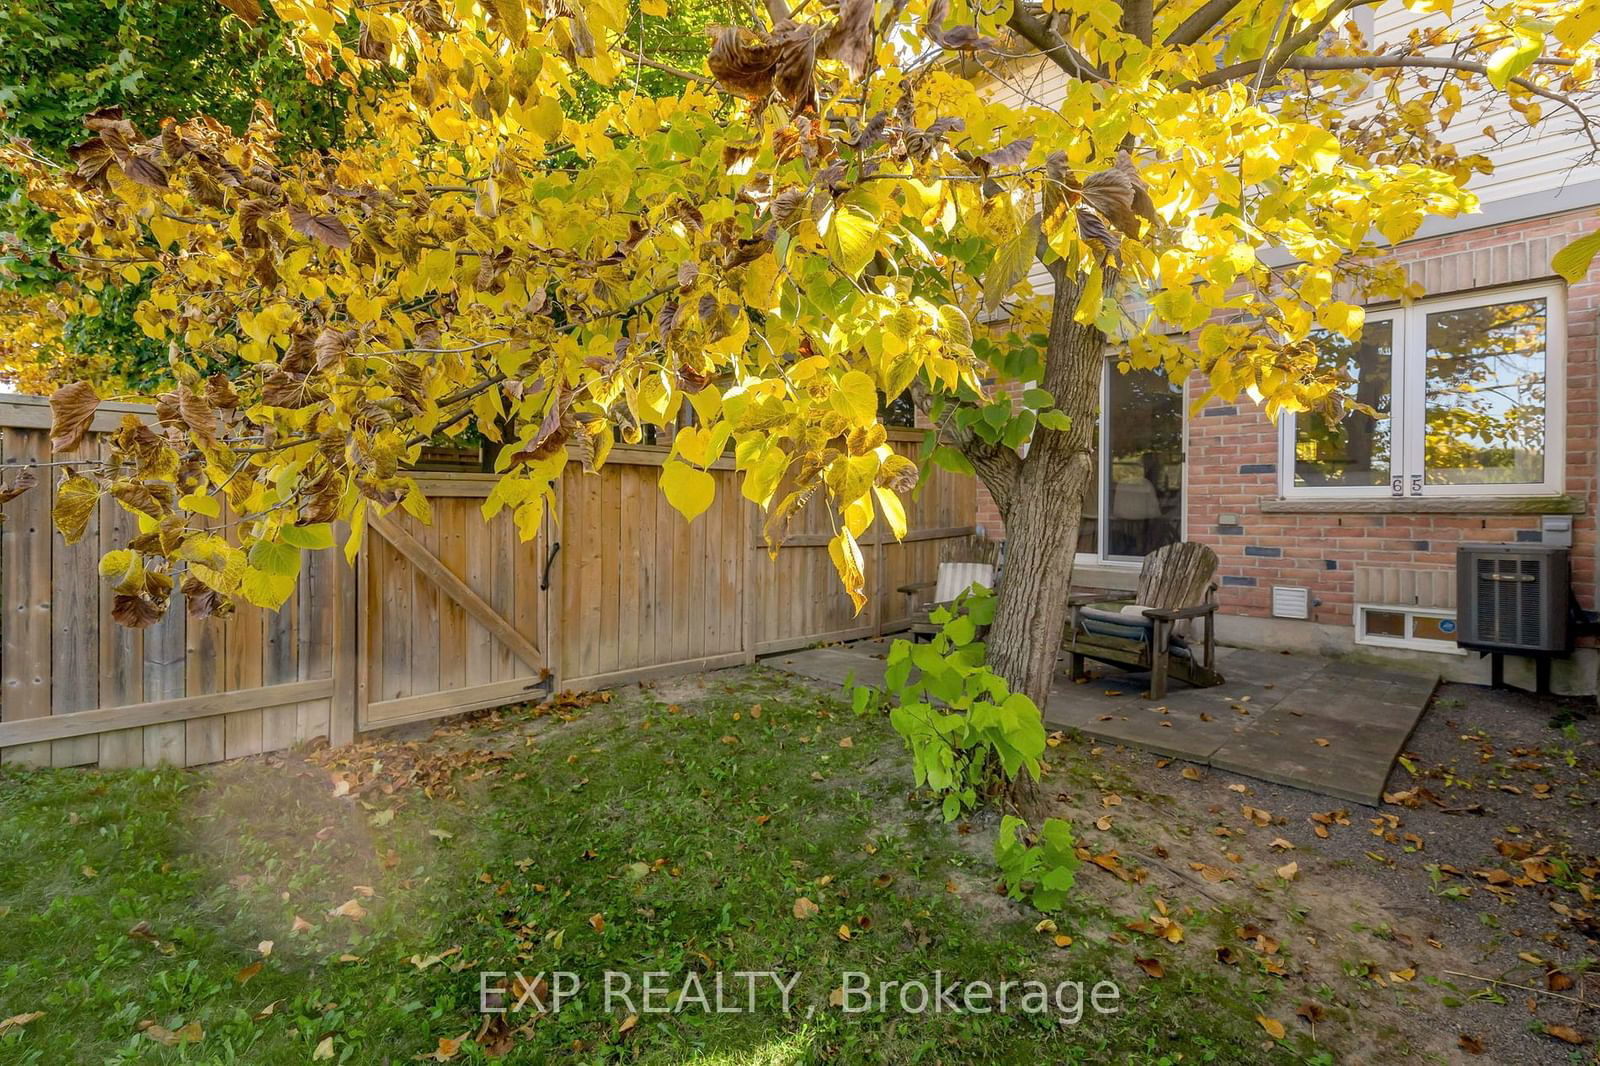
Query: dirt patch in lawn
x,y
1390,927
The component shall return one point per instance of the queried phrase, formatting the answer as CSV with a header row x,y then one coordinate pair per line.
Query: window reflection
x,y
1355,449
1144,424
1486,394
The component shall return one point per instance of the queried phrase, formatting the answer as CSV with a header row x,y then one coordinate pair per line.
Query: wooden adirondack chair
x,y
1175,586
962,562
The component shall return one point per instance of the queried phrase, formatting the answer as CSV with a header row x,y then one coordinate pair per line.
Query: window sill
x,y
1531,505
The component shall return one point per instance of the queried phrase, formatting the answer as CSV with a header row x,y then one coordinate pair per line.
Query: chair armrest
x,y
911,590
1173,614
1089,599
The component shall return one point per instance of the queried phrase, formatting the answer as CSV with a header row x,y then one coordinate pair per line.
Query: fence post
x,y
344,706
748,598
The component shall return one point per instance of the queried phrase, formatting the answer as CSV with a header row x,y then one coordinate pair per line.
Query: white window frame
x,y
1408,404
1408,642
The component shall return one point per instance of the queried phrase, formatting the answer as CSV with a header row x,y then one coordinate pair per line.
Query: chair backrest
x,y
971,549
1178,575
956,578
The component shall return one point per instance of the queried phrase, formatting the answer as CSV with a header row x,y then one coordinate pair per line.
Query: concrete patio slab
x,y
861,663
1324,725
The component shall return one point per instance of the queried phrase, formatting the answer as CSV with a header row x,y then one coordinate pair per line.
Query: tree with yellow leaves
x,y
829,212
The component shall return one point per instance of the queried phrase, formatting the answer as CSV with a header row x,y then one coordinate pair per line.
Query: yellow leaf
x,y
324,1050
846,556
690,491
894,511
1273,1027
657,8
857,398
76,497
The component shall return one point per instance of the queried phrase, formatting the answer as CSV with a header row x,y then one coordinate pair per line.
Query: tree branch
x,y
1048,41
654,64
997,466
1197,25
1138,17
1467,66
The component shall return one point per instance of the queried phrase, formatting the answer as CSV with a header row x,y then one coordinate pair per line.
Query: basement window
x,y
1417,628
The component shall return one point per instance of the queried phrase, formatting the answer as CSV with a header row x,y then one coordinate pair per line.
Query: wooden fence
x,y
433,619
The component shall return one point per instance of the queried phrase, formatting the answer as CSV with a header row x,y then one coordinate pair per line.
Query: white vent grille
x,y
1290,602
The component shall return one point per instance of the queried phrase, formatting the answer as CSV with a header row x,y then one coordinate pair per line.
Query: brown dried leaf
x,y
134,612
1118,193
325,228
957,38
198,415
249,10
17,1021
804,908
72,409
24,481
849,38
1566,1034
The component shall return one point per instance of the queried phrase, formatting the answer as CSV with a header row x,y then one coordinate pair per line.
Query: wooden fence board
x,y
431,620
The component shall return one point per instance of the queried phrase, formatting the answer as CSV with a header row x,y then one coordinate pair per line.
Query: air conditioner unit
x,y
1513,597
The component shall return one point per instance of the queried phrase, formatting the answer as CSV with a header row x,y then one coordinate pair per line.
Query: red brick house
x,y
1343,538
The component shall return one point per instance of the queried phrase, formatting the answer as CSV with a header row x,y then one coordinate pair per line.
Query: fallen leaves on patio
x,y
1213,874
1566,1034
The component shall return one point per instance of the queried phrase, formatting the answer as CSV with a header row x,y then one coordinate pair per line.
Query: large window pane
x,y
1486,395
1144,424
1355,449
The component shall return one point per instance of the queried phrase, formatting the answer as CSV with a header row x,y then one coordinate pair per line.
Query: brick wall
x,y
1233,453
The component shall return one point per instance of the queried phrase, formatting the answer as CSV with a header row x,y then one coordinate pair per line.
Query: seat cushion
x,y
1098,622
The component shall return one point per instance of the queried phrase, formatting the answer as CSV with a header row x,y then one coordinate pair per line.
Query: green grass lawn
x,y
640,835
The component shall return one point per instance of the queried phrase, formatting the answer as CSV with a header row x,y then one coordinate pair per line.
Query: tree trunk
x,y
1041,508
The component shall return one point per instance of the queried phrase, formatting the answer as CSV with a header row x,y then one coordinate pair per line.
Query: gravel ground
x,y
1485,863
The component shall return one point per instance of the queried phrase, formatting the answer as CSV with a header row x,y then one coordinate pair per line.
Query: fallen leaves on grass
x,y
1273,1027
17,1021
350,908
187,1034
804,908
324,1050
1151,967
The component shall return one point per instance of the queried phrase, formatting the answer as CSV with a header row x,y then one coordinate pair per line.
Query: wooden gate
x,y
454,613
